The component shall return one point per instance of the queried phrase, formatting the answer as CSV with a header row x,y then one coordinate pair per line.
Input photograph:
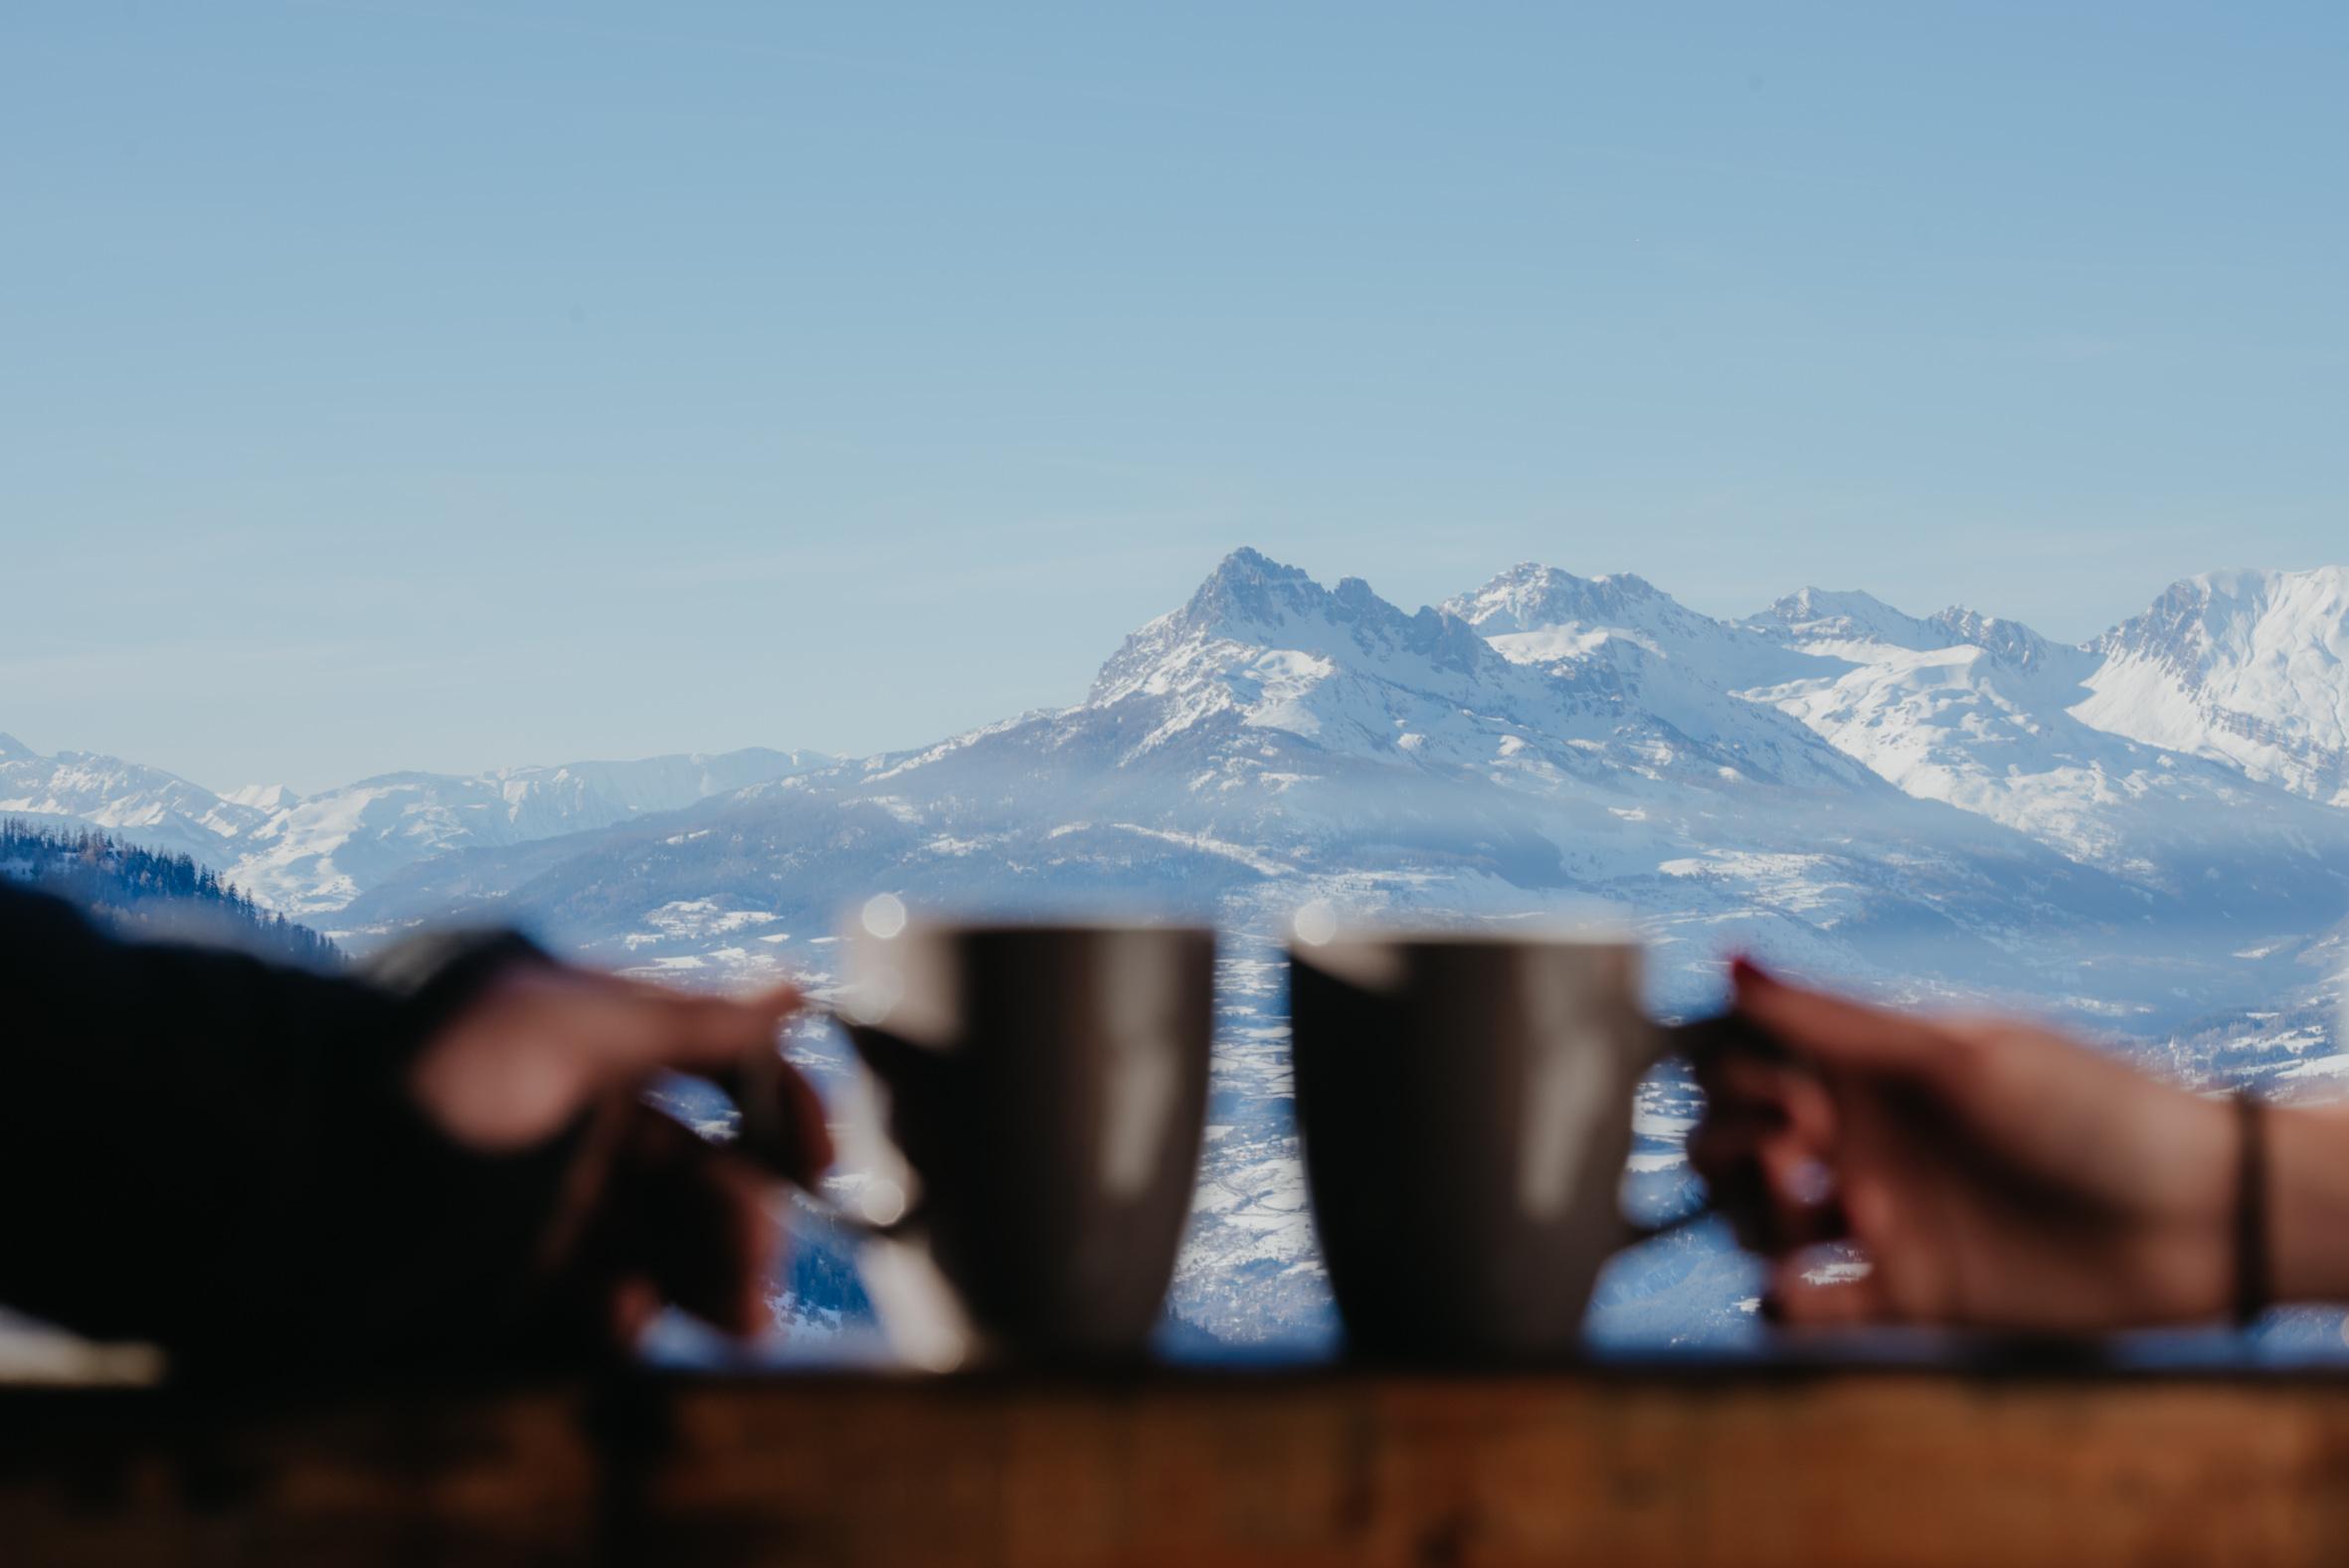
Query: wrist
x,y
2307,1203
2188,1258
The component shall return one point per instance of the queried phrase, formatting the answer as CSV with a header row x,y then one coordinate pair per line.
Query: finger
x,y
1741,1081
705,1235
1804,1295
1724,1151
1754,1099
1728,1138
782,1126
1741,1197
1776,1196
1832,1031
786,993
1731,1134
636,1303
803,1112
654,1029
581,1201
1802,1197
1809,1109
1788,1092
726,1284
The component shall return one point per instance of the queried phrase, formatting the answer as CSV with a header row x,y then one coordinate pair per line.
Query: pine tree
x,y
138,891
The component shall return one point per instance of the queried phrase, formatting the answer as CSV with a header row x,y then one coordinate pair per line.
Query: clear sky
x,y
465,382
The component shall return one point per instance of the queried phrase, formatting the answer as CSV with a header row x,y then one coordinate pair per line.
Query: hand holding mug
x,y
648,1212
1992,1173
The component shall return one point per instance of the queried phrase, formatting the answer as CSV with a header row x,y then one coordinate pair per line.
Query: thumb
x,y
1833,1031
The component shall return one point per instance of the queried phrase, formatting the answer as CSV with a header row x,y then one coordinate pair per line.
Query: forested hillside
x,y
142,893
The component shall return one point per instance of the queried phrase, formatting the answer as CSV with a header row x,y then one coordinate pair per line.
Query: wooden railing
x,y
1749,1465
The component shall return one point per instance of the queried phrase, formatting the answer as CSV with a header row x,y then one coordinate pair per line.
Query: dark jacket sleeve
x,y
219,1154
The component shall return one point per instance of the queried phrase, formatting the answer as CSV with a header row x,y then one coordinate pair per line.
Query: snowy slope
x,y
313,855
1819,620
1958,708
2250,669
263,797
1984,714
144,805
1539,615
1673,667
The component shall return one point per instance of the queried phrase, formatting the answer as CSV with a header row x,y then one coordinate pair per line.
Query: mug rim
x,y
1402,938
1007,924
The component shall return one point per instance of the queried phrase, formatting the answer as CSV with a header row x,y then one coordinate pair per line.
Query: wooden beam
x,y
1294,1468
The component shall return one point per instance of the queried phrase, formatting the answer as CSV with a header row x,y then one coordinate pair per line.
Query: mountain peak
x,y
1820,614
2249,667
1823,603
1251,598
1248,560
1250,589
2265,582
2228,616
263,797
2009,641
13,749
1530,597
1252,601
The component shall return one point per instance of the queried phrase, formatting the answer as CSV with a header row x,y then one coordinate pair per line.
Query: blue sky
x,y
451,384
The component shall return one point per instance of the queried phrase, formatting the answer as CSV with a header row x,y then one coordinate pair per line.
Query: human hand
x,y
1992,1173
649,1212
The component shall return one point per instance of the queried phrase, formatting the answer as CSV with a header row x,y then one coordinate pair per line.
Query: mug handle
x,y
1723,1034
755,1085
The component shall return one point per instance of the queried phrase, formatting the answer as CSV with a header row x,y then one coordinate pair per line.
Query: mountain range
x,y
2146,836
312,855
1823,774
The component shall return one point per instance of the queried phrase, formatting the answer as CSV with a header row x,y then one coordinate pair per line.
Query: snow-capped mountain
x,y
1986,714
1263,643
1672,669
1275,741
1539,615
1959,708
1839,625
142,804
313,855
1819,620
1900,805
2250,669
263,797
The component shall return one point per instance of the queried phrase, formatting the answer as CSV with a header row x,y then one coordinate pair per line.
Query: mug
x,y
1034,1098
1465,1106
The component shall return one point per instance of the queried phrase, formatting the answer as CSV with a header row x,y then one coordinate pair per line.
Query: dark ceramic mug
x,y
1465,1104
1027,1142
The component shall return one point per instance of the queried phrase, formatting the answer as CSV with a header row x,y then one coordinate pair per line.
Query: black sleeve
x,y
220,1155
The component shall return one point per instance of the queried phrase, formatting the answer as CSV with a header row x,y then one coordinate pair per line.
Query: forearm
x,y
221,1156
2308,1202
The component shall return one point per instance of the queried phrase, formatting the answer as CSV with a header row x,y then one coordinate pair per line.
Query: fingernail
x,y
1810,1183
